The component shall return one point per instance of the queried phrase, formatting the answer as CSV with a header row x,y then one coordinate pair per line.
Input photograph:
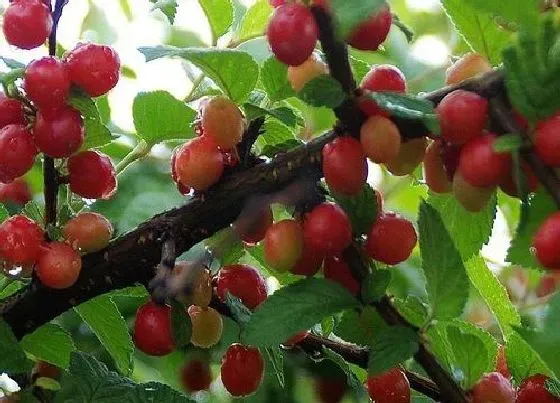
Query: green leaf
x,y
274,78
270,150
3,213
352,380
220,65
128,72
158,116
294,308
359,327
33,211
348,18
391,346
154,392
96,132
508,143
47,384
167,7
50,343
283,114
523,361
359,68
519,12
553,387
240,312
219,14
469,231
361,209
375,285
276,363
413,309
323,91
12,357
446,279
181,326
104,319
277,135
254,21
11,63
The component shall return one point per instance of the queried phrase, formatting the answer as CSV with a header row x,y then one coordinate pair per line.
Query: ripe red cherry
x,y
330,390
337,270
17,151
308,263
547,140
47,83
344,165
242,281
546,241
242,370
381,78
480,165
94,68
11,112
283,245
59,265
256,229
292,33
59,135
20,240
327,229
372,32
196,376
89,232
199,164
462,115
389,387
276,3
493,387
27,23
152,329
92,175
533,389
501,362
391,239
17,192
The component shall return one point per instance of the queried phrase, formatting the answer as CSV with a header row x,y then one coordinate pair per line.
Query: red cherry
x,y
256,230
152,329
17,151
344,165
520,119
276,3
546,241
196,376
43,369
27,23
501,362
199,164
11,112
296,338
462,115
548,284
47,83
450,154
59,266
88,232
330,390
480,165
381,78
389,387
20,240
60,135
242,281
493,387
242,370
292,33
509,186
180,187
283,245
533,389
92,175
308,263
391,239
336,269
94,68
373,32
17,192
547,140
327,229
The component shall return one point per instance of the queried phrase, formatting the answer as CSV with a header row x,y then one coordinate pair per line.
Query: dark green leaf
x,y
154,392
96,132
352,380
391,346
3,213
33,211
181,326
375,285
274,78
361,208
219,14
553,387
276,363
405,29
240,312
359,327
12,357
50,343
283,114
167,7
323,91
273,149
508,143
348,18
254,21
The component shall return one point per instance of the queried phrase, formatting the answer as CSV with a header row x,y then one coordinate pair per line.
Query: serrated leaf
x,y
275,134
104,319
11,76
167,7
96,133
553,387
362,208
154,392
446,279
323,91
413,309
352,380
522,360
3,213
219,14
507,143
220,65
270,150
518,12
33,211
284,114
276,363
359,68
391,346
181,326
348,18
359,327
50,343
12,357
240,312
294,308
254,21
274,78
375,285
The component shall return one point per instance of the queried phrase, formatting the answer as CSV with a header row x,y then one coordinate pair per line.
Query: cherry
x,y
435,174
462,115
59,266
336,269
548,284
27,23
222,121
47,83
242,281
11,112
533,389
327,229
546,241
450,154
308,263
292,33
547,140
88,232
330,390
410,156
391,239
92,175
469,65
180,187
344,165
207,326
242,370
300,75
509,185
389,387
472,198
257,227
480,165
17,192
501,362
283,245
20,240
380,139
296,338
196,376
381,78
372,32
200,293
199,164
94,68
276,3
493,387
60,135
43,369
152,329
18,152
